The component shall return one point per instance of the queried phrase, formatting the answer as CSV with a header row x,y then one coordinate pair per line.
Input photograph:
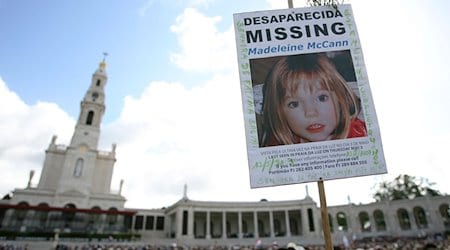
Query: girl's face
x,y
310,113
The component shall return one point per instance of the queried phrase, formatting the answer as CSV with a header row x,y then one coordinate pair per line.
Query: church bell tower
x,y
80,174
92,108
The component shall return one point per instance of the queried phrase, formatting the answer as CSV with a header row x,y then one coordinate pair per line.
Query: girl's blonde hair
x,y
310,71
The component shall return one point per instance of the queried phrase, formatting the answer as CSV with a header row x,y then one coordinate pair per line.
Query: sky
x,y
173,103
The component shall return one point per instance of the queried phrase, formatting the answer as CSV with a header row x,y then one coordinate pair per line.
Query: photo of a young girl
x,y
306,98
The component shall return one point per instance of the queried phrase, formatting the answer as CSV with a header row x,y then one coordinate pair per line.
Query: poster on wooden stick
x,y
307,104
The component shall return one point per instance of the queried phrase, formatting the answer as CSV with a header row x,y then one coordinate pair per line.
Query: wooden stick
x,y
290,4
324,214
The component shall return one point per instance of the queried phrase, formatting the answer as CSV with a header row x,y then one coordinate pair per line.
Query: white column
x,y
179,223
208,224
396,221
239,224
390,220
373,227
305,223
353,222
191,223
169,224
272,234
317,218
288,226
144,221
224,225
433,217
412,219
255,224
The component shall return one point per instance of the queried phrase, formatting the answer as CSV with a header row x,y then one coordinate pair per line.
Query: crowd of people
x,y
393,244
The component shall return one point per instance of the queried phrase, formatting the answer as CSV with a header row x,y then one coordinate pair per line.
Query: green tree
x,y
404,187
323,2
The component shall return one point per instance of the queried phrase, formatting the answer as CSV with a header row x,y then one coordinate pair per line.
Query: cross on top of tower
x,y
105,54
103,63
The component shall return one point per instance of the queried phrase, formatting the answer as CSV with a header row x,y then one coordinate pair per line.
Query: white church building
x,y
74,198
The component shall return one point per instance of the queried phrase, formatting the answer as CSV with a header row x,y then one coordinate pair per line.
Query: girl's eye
x,y
292,104
323,98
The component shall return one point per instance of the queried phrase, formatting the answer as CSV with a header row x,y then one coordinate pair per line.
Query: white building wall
x,y
52,168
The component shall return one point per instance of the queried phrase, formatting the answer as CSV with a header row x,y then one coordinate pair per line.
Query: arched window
x,y
420,217
364,221
98,82
380,224
23,204
68,214
90,118
41,215
95,215
403,219
78,170
21,211
2,215
342,221
444,210
112,216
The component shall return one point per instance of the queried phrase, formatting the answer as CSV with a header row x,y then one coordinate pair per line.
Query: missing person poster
x,y
308,108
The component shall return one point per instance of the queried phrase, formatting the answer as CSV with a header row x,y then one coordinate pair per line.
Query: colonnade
x,y
47,221
401,218
192,222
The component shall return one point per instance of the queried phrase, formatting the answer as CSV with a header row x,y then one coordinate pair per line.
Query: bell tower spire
x,y
92,108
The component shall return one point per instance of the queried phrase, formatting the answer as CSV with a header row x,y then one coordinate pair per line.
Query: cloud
x,y
277,4
204,3
26,130
184,136
202,47
147,5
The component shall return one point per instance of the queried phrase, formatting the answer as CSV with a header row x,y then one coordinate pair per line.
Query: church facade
x,y
74,197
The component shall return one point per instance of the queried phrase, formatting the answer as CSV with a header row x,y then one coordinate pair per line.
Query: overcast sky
x,y
173,102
